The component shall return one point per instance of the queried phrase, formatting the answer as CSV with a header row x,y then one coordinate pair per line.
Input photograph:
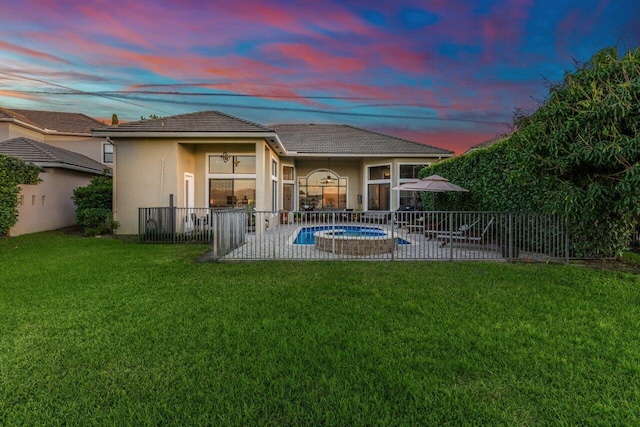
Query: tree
x,y
94,206
583,143
13,172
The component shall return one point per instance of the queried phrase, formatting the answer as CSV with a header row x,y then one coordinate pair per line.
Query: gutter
x,y
107,133
42,130
69,166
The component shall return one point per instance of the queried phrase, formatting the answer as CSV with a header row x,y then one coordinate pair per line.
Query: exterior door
x,y
189,197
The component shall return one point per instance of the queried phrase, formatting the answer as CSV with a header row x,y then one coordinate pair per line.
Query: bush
x,y
94,206
13,172
96,221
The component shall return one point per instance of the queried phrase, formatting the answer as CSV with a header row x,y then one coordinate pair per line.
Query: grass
x,y
103,332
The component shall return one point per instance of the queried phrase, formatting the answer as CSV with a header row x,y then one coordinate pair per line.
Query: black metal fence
x,y
224,229
239,234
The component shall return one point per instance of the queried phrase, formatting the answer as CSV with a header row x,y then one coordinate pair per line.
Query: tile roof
x,y
203,121
47,155
489,142
344,139
53,120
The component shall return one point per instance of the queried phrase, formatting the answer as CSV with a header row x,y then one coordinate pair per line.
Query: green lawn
x,y
103,332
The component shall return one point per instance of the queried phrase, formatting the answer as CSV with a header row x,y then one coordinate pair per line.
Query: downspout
x,y
161,182
114,202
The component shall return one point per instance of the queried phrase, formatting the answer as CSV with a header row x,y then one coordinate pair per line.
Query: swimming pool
x,y
306,234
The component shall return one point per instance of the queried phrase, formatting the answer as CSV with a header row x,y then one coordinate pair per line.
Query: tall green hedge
x,y
13,172
487,174
577,155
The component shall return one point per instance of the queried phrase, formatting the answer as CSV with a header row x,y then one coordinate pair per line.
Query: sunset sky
x,y
443,72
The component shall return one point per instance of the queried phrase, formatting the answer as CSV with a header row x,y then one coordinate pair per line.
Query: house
x,y
489,142
71,131
48,205
60,143
215,160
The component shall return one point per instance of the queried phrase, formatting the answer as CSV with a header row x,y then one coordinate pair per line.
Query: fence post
x,y
566,241
450,236
214,227
510,242
394,242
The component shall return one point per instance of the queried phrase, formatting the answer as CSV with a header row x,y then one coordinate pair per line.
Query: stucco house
x,y
48,205
71,131
62,145
214,160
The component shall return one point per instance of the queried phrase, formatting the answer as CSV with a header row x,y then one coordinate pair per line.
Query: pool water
x,y
305,235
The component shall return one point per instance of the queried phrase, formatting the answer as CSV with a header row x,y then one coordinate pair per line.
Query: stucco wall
x,y
87,146
10,130
48,205
145,176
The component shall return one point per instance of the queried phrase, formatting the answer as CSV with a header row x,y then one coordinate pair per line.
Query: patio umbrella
x,y
434,183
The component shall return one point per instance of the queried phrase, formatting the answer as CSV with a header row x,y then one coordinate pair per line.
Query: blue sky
x,y
443,72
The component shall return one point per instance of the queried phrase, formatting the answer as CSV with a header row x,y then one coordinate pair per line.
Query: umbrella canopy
x,y
433,183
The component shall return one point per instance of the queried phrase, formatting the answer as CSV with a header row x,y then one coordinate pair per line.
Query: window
x,y
323,190
232,193
107,152
288,188
408,173
274,168
378,197
287,173
21,200
379,172
233,165
232,184
379,188
287,197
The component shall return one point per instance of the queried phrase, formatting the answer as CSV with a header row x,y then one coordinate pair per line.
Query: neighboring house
x,y
71,131
48,205
214,160
489,142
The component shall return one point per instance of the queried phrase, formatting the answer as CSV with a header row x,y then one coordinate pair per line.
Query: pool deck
x,y
277,244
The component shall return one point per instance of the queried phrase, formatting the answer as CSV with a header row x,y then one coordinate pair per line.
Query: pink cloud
x,y
30,52
317,60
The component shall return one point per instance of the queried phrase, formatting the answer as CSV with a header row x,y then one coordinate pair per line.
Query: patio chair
x,y
465,235
438,229
416,226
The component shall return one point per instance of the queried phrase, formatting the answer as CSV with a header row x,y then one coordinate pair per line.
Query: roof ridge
x,y
398,138
238,118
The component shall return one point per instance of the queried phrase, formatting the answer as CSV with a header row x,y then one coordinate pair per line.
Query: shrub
x,y
13,172
94,206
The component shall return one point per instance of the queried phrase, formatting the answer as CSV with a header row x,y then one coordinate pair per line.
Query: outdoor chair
x,y
465,235
417,225
439,229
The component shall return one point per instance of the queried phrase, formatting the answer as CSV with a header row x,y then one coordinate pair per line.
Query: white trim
x,y
367,181
70,167
260,135
102,152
